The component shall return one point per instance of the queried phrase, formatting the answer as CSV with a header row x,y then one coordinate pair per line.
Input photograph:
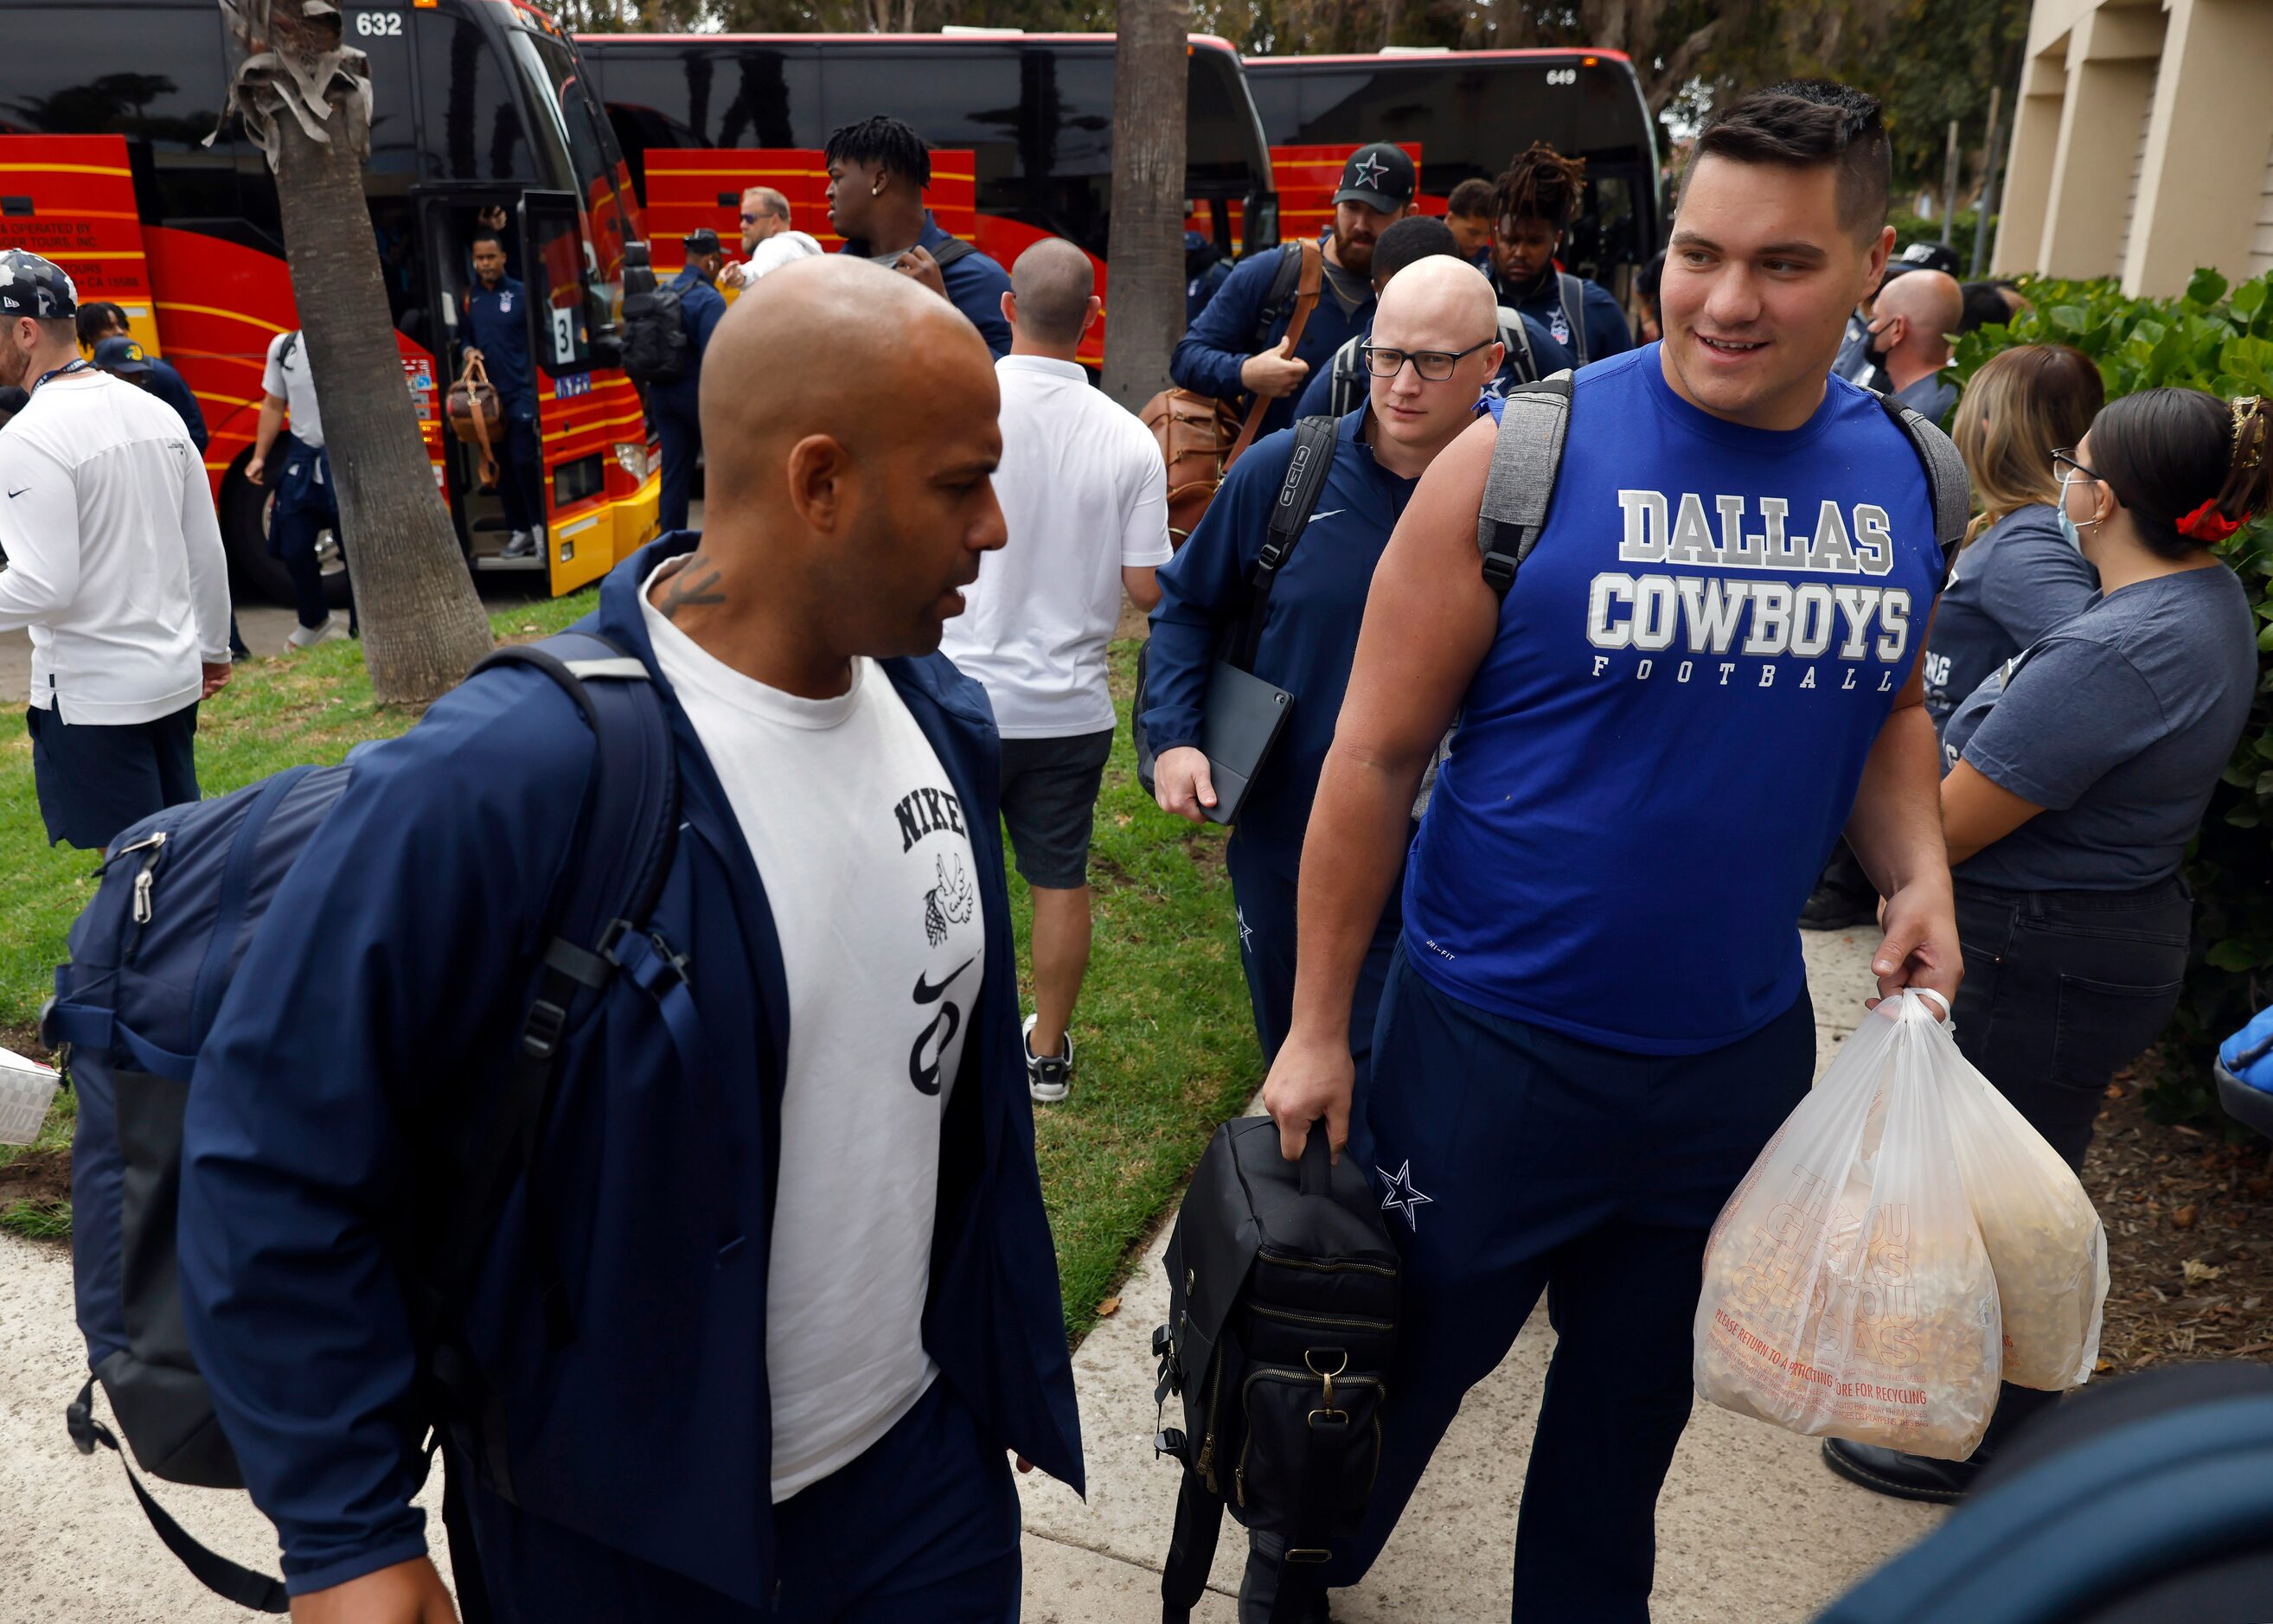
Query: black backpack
x,y
656,346
152,953
1282,1317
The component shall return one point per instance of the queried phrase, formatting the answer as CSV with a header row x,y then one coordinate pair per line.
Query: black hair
x,y
1540,184
2167,453
887,143
1647,281
1806,125
1984,307
1415,237
485,234
1471,196
94,319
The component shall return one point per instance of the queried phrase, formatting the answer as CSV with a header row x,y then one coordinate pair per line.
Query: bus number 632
x,y
377,24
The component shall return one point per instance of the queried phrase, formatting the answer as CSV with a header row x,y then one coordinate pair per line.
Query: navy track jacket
x,y
975,284
1208,358
384,986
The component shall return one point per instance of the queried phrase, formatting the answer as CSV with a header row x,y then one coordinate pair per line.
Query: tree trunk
x,y
1145,301
424,627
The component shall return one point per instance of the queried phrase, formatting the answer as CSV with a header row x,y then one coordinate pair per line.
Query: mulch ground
x,y
2189,1236
40,1176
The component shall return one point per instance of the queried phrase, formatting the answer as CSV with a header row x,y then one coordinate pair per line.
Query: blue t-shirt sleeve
x,y
1208,358
1203,586
2038,581
1606,332
2071,712
975,284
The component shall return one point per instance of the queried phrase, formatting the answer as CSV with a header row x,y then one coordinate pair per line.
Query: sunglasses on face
x,y
1433,365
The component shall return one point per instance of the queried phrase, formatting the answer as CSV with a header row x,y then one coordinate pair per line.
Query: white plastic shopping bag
x,y
26,1089
1847,1290
2044,1239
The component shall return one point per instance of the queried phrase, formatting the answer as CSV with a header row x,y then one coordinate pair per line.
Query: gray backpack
x,y
1520,488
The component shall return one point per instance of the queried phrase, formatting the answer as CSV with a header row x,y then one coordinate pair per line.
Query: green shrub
x,y
2221,341
1957,232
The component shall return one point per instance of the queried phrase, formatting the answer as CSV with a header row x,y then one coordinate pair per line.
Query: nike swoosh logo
x,y
925,994
14,494
1329,513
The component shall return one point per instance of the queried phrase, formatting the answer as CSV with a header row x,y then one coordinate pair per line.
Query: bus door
x,y
562,275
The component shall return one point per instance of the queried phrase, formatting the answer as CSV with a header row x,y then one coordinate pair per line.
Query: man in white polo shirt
x,y
1085,500
114,564
307,504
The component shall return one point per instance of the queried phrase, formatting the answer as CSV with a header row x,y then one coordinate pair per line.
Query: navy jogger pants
x,y
1513,1160
1262,885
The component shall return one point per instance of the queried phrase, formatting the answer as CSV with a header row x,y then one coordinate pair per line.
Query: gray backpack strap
x,y
1945,476
1347,384
1528,454
1516,335
1572,292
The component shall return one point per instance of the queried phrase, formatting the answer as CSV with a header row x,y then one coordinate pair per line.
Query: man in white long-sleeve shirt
x,y
114,564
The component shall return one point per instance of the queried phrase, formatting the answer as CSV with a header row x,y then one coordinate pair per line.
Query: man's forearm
x,y
264,435
1359,826
1895,827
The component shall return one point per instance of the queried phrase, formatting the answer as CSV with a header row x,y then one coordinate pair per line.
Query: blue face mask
x,y
2066,525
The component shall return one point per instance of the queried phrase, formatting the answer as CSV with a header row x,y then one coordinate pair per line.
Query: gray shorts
x,y
1049,801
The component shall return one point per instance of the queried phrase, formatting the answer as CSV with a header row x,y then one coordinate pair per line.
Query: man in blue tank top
x,y
1598,1015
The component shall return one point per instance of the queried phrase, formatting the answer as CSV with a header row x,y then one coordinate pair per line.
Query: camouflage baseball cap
x,y
31,285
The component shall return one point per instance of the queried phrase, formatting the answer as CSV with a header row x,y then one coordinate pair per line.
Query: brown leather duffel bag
x,y
473,408
1200,436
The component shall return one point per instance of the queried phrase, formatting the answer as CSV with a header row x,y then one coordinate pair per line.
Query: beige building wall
x,y
2143,145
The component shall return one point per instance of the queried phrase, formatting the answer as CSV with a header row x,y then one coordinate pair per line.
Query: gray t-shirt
x,y
2118,724
1931,397
2010,587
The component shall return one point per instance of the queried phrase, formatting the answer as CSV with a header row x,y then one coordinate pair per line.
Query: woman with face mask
x,y
2078,775
2017,577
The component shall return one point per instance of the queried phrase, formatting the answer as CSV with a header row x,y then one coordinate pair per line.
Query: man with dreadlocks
x,y
878,170
1535,203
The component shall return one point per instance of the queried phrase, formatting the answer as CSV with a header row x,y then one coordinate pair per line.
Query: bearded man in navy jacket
x,y
809,1421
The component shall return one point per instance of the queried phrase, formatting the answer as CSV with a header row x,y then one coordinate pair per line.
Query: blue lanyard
x,y
78,363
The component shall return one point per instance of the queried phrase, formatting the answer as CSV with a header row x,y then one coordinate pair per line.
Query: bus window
x,y
559,284
393,165
971,99
472,124
590,150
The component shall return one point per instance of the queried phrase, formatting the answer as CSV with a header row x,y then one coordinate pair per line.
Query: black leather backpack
x,y
1282,1316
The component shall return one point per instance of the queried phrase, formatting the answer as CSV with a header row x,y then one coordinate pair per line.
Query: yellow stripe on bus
x,y
208,310
59,169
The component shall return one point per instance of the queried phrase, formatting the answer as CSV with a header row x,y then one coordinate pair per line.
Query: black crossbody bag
x,y
1243,715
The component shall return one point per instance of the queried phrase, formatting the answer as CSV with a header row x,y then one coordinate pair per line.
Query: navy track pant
x,y
1262,885
679,426
1513,1160
924,1525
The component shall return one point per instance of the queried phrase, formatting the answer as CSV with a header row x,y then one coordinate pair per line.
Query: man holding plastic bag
x,y
1706,669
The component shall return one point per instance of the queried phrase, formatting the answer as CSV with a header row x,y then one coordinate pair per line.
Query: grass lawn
x,y
1167,1047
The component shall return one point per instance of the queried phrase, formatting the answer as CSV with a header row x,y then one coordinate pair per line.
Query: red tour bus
x,y
479,105
1020,124
1467,113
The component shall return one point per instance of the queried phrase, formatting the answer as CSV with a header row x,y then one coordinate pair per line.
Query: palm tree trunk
x,y
424,627
1144,301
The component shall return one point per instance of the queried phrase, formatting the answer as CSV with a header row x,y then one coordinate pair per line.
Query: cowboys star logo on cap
x,y
1368,170
1379,175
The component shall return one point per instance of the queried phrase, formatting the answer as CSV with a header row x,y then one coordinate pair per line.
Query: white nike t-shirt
x,y
866,856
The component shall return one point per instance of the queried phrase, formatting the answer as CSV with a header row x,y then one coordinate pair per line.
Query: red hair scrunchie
x,y
2207,524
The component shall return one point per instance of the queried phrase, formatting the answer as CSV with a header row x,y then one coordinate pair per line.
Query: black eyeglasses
x,y
1434,365
2065,455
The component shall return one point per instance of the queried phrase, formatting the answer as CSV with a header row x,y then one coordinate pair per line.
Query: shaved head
x,y
1439,306
1448,296
1931,304
1053,281
849,434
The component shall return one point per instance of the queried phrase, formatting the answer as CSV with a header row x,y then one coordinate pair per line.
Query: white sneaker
x,y
308,637
1049,1078
521,544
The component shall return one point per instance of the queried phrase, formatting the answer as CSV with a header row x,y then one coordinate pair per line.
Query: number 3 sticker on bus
x,y
374,24
564,336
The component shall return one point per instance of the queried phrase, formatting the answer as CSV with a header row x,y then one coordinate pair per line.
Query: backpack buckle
x,y
540,1033
1170,1441
79,1417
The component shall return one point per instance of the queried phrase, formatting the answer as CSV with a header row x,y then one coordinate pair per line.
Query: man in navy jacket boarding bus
x,y
496,333
808,1421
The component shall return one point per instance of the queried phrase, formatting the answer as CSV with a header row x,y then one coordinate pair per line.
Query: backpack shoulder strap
x,y
1528,454
1516,334
1572,292
1191,1549
954,249
1306,469
1946,479
1286,277
1347,378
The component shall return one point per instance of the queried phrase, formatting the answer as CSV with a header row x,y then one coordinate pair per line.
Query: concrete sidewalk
x,y
1752,1527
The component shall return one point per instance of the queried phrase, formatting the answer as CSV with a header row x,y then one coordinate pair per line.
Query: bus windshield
x,y
1471,112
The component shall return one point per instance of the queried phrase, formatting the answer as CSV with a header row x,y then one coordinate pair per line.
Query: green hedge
x,y
2221,340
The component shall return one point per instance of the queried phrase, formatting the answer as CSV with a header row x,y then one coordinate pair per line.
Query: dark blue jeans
x,y
679,426
1523,1161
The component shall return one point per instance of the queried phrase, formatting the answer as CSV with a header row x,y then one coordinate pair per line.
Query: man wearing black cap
x,y
1232,352
114,565
103,332
673,408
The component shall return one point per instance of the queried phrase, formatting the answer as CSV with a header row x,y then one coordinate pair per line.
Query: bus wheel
x,y
252,573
